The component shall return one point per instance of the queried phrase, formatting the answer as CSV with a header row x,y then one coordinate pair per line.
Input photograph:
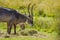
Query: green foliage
x,y
46,13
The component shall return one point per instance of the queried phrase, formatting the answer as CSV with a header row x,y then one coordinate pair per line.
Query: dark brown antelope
x,y
12,17
30,16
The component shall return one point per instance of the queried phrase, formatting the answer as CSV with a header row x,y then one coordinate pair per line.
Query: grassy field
x,y
46,15
39,36
25,38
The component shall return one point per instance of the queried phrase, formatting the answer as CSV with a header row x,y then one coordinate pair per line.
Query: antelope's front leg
x,y
14,28
9,27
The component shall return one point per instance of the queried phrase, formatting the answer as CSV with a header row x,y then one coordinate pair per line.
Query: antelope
x,y
12,17
30,16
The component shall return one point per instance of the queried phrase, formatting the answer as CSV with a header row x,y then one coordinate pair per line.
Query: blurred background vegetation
x,y
46,13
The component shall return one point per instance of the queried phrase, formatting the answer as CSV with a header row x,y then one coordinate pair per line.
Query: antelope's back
x,y
6,14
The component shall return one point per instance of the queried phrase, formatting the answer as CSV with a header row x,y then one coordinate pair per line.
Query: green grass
x,y
26,38
50,36
43,36
45,25
23,38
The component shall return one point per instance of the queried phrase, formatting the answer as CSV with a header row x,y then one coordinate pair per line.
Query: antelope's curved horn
x,y
29,9
31,16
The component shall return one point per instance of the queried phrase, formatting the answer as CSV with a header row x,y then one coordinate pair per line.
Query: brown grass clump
x,y
28,32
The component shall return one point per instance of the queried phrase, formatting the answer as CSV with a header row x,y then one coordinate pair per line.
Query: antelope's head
x,y
30,16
